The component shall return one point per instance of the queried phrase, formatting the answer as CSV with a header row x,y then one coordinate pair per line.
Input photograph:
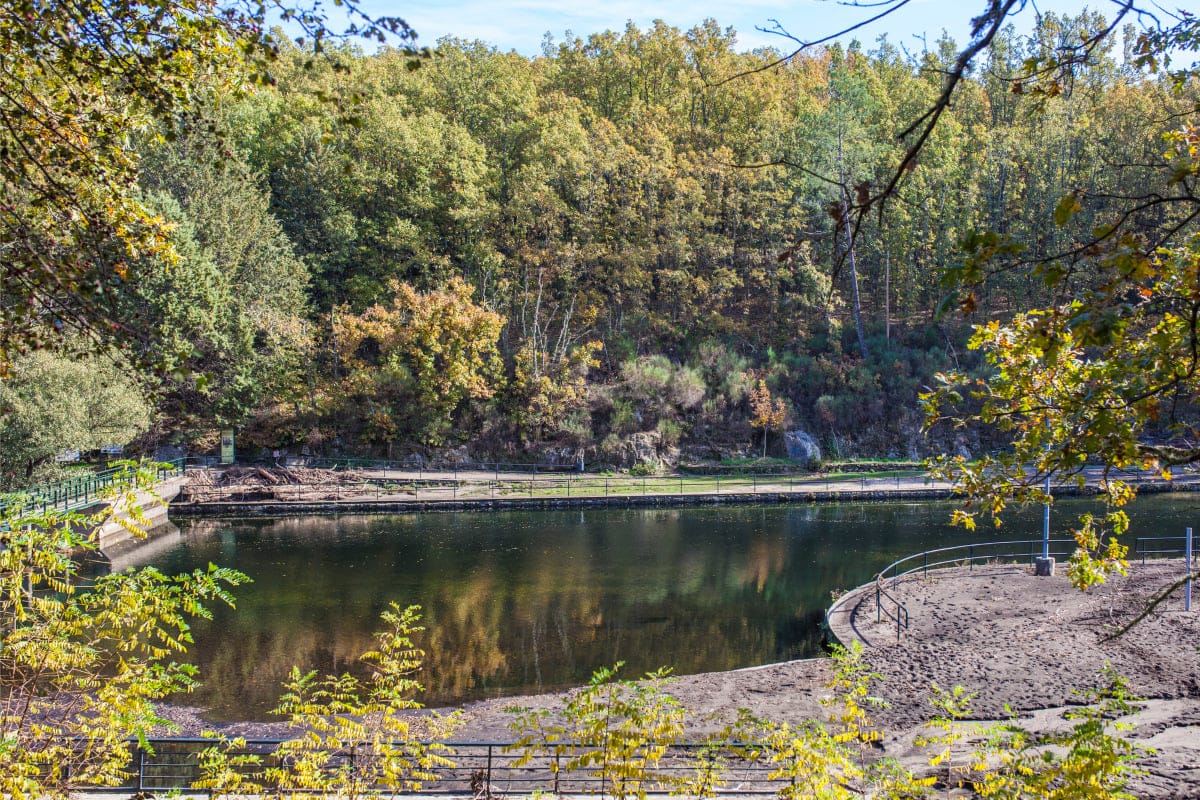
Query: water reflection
x,y
527,601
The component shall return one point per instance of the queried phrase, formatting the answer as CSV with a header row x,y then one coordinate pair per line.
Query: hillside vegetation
x,y
631,248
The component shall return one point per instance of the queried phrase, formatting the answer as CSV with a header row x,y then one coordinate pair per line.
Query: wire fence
x,y
311,480
393,486
481,769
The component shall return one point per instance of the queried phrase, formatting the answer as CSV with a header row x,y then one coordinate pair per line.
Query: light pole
x,y
1046,522
1045,564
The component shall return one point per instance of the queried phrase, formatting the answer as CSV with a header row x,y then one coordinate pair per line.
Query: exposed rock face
x,y
454,455
561,456
643,448
801,446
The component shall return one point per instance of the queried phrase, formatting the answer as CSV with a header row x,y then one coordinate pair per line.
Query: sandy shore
x,y
999,631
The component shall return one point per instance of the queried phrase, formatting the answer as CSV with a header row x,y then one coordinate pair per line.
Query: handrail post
x,y
878,602
1187,555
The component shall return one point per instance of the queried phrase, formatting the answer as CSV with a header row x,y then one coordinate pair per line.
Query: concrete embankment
x,y
153,508
350,506
868,490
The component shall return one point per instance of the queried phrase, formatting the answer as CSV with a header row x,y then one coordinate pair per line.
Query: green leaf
x,y
1068,207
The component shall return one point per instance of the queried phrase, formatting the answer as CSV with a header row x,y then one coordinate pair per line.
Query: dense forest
x,y
635,248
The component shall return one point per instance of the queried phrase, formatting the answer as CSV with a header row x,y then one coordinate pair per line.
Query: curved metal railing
x,y
887,604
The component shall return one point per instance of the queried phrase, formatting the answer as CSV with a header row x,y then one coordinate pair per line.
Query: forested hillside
x,y
630,248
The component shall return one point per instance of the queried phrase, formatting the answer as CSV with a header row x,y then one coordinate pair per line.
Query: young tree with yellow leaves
x,y
766,413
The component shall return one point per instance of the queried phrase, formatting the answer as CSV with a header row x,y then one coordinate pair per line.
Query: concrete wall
x,y
154,509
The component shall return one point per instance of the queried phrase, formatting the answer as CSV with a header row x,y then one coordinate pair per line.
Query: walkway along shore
x,y
390,492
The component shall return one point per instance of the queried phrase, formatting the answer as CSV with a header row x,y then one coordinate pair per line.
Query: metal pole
x,y
1046,522
1187,555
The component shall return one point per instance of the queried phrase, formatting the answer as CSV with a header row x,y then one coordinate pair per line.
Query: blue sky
x,y
520,24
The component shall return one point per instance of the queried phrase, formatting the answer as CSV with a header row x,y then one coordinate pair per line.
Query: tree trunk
x,y
887,298
854,299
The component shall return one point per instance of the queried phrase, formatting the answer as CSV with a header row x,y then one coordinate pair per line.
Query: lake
x,y
528,601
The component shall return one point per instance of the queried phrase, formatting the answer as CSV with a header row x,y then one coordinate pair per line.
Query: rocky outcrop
x,y
801,446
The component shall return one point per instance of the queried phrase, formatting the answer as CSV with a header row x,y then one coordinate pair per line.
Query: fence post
x,y
1187,555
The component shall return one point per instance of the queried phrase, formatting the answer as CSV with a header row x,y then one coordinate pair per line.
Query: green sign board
x,y
227,446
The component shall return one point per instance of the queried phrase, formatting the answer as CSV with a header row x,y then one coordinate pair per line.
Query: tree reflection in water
x,y
519,602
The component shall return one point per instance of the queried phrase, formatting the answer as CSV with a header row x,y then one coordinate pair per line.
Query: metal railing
x,y
406,464
412,486
478,769
1023,550
890,606
1160,546
81,491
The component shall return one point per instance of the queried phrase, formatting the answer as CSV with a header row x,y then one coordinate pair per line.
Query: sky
x,y
521,24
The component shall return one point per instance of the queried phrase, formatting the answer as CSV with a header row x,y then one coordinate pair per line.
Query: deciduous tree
x,y
55,402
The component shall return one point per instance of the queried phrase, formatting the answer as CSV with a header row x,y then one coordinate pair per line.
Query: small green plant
x,y
815,763
617,731
355,737
953,707
852,699
644,469
1086,762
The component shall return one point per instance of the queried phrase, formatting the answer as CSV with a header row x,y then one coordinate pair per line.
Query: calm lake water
x,y
520,602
